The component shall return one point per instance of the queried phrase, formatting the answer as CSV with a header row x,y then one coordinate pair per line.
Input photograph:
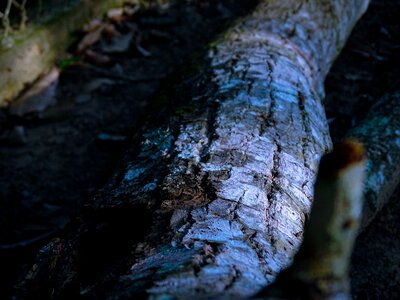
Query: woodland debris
x,y
98,59
38,97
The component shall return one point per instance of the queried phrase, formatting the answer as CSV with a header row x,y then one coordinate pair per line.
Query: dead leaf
x,y
97,59
116,15
110,32
92,86
37,98
98,83
117,44
92,25
137,44
90,38
131,10
115,12
142,51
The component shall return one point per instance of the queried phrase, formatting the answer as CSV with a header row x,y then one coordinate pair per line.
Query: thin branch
x,y
6,20
22,9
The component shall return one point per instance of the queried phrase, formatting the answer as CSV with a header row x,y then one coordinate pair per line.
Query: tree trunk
x,y
225,189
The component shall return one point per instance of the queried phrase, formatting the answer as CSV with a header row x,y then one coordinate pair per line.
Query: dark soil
x,y
53,161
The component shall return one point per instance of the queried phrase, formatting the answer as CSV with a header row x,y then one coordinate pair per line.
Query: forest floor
x,y
57,152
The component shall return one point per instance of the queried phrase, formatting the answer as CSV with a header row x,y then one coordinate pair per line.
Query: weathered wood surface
x,y
320,269
229,186
380,133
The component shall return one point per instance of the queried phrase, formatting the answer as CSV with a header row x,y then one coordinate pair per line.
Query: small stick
x,y
24,16
6,20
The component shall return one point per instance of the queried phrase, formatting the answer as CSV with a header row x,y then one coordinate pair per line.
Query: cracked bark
x,y
229,186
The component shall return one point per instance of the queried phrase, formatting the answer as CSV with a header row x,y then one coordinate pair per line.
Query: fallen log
x,y
226,186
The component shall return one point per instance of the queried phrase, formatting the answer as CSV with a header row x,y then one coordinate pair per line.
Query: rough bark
x,y
228,187
379,132
320,269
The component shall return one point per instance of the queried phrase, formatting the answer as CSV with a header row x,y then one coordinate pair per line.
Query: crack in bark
x,y
270,120
271,210
306,128
213,107
234,202
236,274
233,212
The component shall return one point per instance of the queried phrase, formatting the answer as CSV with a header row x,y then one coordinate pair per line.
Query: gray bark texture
x,y
226,189
320,267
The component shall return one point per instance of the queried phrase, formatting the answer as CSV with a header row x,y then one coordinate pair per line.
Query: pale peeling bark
x,y
380,133
235,180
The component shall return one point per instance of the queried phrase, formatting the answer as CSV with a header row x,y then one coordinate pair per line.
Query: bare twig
x,y
22,9
6,20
